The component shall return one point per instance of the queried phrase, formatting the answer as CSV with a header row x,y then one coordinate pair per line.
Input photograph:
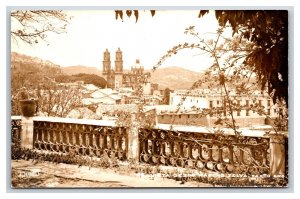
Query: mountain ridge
x,y
172,77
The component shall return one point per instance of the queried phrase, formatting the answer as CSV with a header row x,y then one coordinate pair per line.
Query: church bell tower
x,y
119,69
106,63
119,61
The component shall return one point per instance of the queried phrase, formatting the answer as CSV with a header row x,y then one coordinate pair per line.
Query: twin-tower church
x,y
117,78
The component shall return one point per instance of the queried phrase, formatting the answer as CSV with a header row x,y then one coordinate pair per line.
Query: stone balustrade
x,y
189,147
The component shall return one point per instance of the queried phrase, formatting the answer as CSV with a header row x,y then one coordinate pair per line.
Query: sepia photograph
x,y
149,98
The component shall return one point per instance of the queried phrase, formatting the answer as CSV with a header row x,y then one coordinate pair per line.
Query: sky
x,y
90,32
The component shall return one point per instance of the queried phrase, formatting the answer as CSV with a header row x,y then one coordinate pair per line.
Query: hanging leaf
x,y
116,14
202,13
119,13
128,12
152,12
136,14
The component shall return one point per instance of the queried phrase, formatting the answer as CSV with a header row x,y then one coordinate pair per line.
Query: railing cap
x,y
16,117
199,129
76,121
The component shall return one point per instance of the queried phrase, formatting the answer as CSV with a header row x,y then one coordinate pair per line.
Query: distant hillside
x,y
17,59
31,71
174,77
73,70
36,67
168,77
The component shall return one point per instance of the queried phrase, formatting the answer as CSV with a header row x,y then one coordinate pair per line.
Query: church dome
x,y
137,64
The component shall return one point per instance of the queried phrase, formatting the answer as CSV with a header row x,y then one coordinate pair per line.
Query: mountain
x,y
17,58
73,70
27,71
174,77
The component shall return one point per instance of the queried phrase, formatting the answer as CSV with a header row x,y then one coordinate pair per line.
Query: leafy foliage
x,y
268,30
86,78
91,79
58,101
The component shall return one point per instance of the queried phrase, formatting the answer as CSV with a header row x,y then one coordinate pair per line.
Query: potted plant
x,y
27,102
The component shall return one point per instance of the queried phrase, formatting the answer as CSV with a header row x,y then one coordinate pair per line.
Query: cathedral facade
x,y
116,77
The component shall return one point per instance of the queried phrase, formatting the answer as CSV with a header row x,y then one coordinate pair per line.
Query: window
x,y
247,112
269,102
269,111
247,103
238,113
179,116
210,104
188,116
218,102
259,102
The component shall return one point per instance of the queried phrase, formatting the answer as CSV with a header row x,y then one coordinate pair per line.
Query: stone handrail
x,y
191,147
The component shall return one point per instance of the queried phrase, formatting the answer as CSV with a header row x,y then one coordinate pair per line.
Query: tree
x,y
86,78
91,79
32,26
268,30
58,101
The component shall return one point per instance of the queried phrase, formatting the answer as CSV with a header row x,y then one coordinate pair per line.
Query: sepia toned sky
x,y
91,32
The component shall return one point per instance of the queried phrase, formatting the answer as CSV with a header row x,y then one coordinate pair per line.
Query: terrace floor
x,y
29,174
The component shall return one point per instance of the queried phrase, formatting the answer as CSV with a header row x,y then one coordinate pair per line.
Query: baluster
x,y
105,141
155,144
42,138
180,149
60,141
230,157
98,140
210,158
146,149
87,140
94,141
163,149
112,141
66,140
220,150
241,157
172,149
190,151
